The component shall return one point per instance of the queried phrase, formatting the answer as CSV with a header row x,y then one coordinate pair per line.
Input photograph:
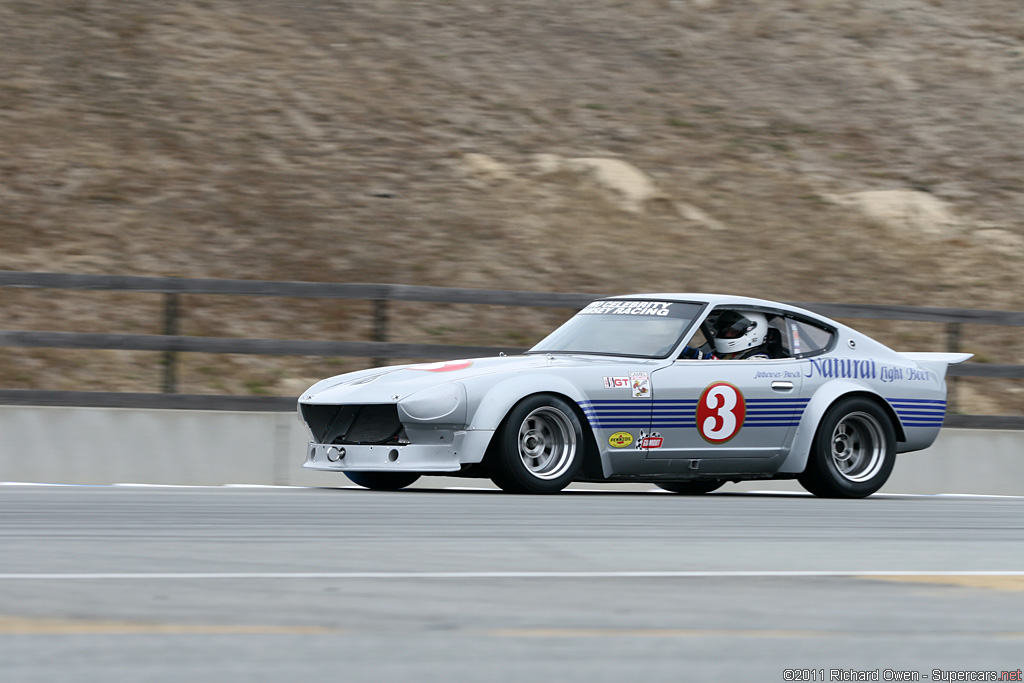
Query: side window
x,y
776,344
807,339
698,342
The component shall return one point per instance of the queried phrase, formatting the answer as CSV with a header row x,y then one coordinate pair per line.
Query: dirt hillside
x,y
807,150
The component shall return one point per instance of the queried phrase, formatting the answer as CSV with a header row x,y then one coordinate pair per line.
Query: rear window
x,y
807,339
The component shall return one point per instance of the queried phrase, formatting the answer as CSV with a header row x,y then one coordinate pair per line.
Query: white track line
x,y
507,575
761,492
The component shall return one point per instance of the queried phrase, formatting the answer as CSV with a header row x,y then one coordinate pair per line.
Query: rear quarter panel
x,y
914,395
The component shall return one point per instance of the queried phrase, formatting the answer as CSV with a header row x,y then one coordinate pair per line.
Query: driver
x,y
738,336
741,336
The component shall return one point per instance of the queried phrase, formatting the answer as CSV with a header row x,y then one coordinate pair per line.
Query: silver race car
x,y
685,391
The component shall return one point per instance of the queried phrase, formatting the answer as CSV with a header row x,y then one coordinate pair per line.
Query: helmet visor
x,y
732,325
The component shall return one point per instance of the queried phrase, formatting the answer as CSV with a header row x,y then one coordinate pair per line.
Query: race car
x,y
684,391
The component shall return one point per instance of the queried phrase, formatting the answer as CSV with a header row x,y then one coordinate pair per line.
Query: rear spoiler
x,y
947,358
937,362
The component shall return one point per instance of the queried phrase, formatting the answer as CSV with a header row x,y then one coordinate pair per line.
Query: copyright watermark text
x,y
817,675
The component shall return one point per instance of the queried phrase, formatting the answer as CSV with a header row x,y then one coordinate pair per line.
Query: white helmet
x,y
736,332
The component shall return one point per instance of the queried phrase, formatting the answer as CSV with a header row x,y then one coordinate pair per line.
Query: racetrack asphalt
x,y
266,584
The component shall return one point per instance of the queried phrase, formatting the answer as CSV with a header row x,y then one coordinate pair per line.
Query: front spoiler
x,y
464,447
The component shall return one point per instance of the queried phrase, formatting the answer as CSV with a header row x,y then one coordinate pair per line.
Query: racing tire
x,y
382,481
539,447
690,488
853,451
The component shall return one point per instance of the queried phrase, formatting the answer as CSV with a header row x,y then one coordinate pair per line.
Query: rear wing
x,y
937,362
948,358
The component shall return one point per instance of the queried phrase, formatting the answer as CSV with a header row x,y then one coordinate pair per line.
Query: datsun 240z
x,y
684,391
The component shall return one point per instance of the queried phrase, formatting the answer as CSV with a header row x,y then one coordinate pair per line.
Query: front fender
x,y
819,404
495,400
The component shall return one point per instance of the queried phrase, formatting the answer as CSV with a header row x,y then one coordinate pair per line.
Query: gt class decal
x,y
720,412
639,384
445,366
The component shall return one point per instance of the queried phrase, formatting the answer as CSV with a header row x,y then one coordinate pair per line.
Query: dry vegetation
x,y
401,141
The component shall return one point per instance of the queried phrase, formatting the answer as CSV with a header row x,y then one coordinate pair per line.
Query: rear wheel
x,y
382,481
690,488
539,448
853,452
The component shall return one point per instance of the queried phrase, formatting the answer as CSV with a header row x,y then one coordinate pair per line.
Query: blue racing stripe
x,y
919,412
658,414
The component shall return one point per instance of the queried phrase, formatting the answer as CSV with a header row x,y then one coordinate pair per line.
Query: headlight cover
x,y
444,403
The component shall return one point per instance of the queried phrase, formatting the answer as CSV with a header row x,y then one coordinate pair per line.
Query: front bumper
x,y
453,450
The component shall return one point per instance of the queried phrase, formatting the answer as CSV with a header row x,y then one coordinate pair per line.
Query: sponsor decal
x,y
854,368
843,368
620,439
616,382
794,332
915,375
446,366
649,441
720,412
776,374
656,308
888,374
640,383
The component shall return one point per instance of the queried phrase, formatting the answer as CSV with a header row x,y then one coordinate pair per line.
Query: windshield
x,y
622,328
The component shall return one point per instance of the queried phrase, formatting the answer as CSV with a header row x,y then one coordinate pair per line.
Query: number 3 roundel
x,y
720,412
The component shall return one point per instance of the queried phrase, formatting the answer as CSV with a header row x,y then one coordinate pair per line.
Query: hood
x,y
391,384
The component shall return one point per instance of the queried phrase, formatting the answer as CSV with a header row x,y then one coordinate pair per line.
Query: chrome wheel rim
x,y
547,443
858,447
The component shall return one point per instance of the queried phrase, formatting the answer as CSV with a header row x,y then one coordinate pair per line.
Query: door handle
x,y
782,386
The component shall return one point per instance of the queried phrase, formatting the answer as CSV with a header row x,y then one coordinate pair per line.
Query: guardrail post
x,y
953,346
380,325
170,357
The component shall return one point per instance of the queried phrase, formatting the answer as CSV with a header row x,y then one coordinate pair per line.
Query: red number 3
x,y
720,412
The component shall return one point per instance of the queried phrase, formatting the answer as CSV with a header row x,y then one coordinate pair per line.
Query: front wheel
x,y
690,488
539,447
382,481
853,451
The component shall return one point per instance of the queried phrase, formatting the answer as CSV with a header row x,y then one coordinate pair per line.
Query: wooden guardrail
x,y
380,348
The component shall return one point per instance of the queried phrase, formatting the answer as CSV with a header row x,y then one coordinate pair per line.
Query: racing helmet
x,y
736,332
